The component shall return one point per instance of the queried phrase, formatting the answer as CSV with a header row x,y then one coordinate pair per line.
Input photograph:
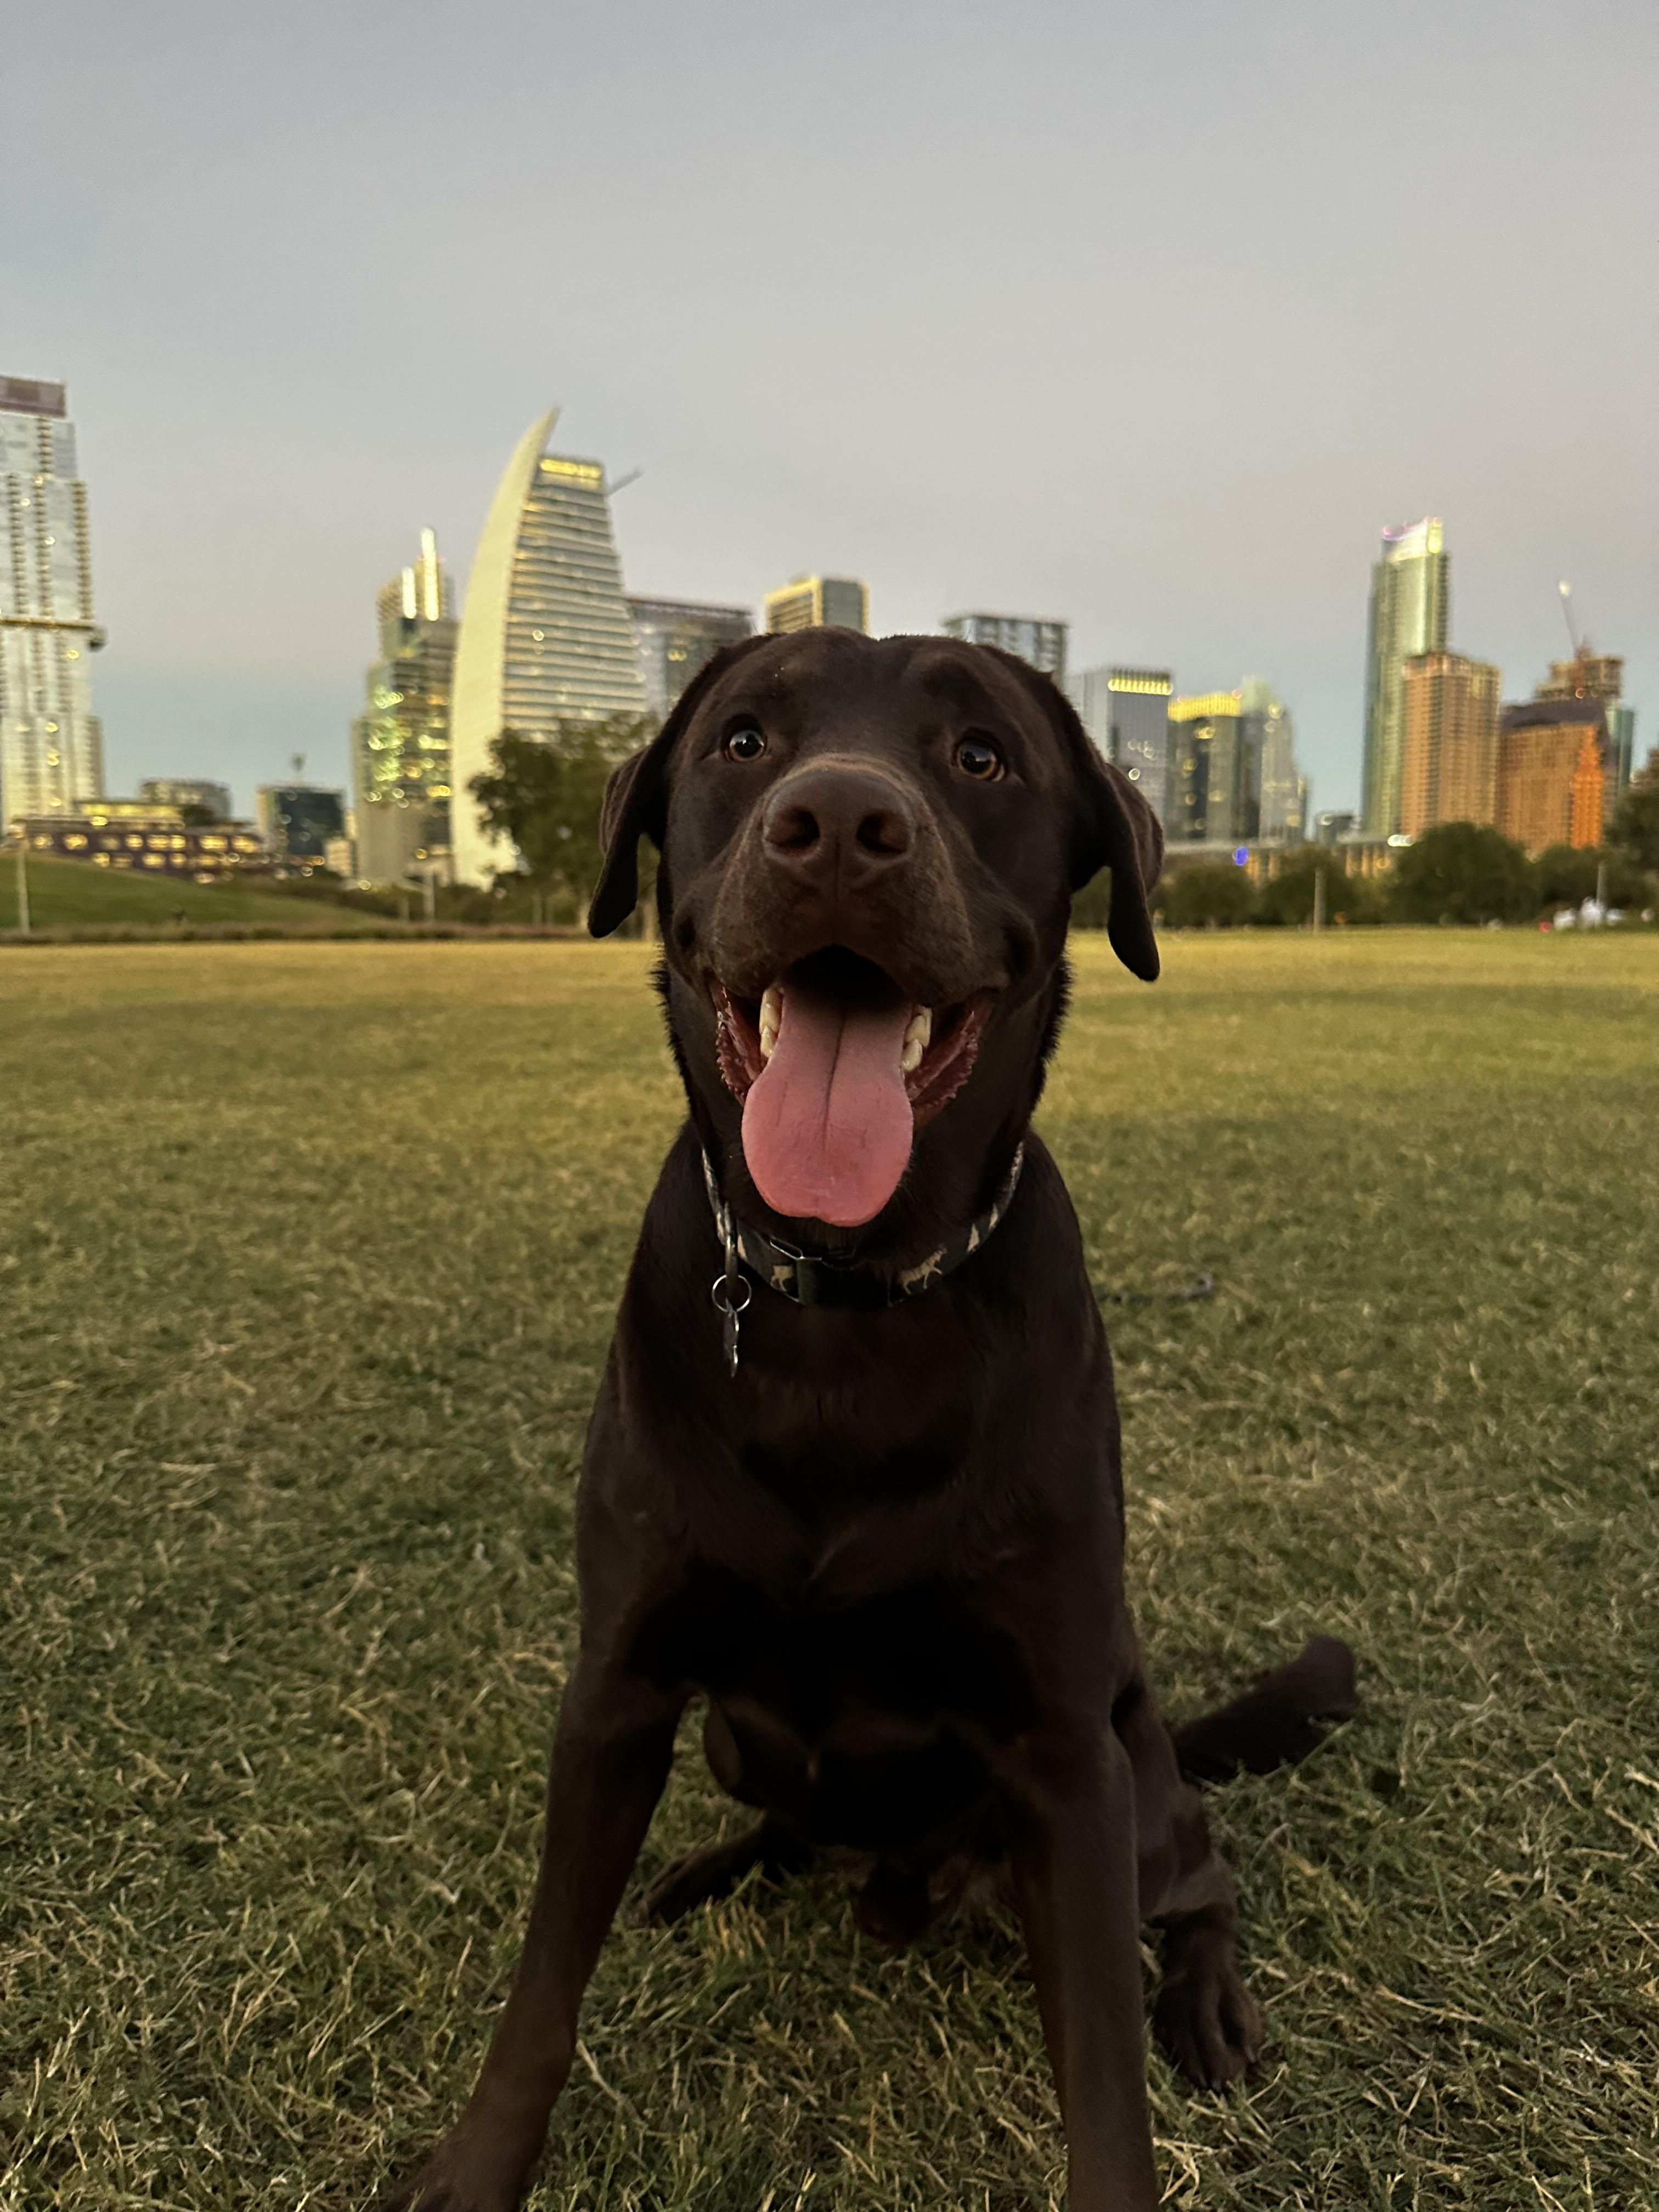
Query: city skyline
x,y
547,556
270,410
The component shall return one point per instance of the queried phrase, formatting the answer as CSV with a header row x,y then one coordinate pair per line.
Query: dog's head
x,y
869,849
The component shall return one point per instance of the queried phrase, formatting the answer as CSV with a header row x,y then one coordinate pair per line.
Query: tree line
x,y
1458,873
544,799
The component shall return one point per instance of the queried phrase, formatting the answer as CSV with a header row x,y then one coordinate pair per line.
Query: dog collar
x,y
819,1279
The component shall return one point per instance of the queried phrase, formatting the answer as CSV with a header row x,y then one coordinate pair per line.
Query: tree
x,y
1288,902
1214,895
196,816
1463,871
1568,875
547,798
1635,823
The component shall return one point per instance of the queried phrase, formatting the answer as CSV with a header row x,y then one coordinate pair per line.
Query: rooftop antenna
x,y
299,760
621,483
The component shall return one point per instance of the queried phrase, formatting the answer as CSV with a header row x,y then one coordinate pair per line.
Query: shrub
x,y
1287,903
1211,896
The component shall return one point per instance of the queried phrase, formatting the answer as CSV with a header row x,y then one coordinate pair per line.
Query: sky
x,y
1149,318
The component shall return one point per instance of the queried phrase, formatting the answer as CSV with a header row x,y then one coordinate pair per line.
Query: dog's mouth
x,y
836,1067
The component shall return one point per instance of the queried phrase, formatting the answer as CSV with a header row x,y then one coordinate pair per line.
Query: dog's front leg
x,y
611,1757
1074,1873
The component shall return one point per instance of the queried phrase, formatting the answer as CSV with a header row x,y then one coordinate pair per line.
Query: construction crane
x,y
1566,590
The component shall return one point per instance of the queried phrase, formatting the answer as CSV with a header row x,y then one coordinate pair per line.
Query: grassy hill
x,y
69,894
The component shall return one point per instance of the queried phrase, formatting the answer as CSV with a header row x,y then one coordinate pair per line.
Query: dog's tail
x,y
1277,1723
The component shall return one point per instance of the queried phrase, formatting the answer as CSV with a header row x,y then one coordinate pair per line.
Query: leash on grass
x,y
1204,1287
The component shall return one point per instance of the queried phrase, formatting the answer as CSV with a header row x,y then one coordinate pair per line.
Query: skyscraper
x,y
400,783
1125,712
51,744
546,639
819,603
1553,763
1209,795
1592,675
1449,765
1274,790
300,821
1042,643
1410,595
1140,727
675,638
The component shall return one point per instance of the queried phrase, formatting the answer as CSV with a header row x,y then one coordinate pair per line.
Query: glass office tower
x,y
545,640
818,602
400,749
676,639
1410,595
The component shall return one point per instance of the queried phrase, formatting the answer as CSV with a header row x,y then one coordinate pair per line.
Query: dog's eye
x,y
979,757
746,743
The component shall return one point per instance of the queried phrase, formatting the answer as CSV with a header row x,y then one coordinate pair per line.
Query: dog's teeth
x,y
916,1039
771,1020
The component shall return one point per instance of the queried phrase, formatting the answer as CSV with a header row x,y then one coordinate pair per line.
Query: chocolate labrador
x,y
853,1476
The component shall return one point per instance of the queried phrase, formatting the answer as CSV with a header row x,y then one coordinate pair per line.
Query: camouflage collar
x,y
819,1279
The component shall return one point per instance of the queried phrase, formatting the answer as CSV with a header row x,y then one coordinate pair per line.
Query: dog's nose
x,y
837,823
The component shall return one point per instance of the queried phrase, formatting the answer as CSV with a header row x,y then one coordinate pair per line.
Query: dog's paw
x,y
1206,2022
894,1907
458,2177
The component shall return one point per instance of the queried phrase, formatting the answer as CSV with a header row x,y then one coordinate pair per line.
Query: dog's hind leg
x,y
1277,1723
702,1877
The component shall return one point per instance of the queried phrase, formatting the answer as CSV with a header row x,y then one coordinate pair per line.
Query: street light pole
x,y
23,885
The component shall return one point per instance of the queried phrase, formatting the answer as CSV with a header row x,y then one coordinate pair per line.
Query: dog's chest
x,y
866,1723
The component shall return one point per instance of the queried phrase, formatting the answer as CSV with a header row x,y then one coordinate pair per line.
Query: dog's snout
x,y
835,821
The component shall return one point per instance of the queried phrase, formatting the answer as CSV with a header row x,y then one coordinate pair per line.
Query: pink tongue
x,y
827,1123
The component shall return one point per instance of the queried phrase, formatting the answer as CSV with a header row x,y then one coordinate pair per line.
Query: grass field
x,y
70,895
307,1259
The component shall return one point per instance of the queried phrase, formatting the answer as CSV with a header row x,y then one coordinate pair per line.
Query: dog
x,y
852,1474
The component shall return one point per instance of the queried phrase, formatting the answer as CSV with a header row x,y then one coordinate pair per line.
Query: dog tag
x,y
731,1294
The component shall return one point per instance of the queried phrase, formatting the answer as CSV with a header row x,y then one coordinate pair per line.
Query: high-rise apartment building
x,y
1449,763
818,602
1592,675
1042,643
1210,795
1553,771
52,745
400,750
545,640
676,639
1274,789
1410,597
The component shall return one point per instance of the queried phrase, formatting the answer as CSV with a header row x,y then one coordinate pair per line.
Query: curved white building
x,y
545,637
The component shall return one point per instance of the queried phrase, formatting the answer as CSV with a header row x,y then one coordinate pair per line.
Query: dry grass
x,y
307,1258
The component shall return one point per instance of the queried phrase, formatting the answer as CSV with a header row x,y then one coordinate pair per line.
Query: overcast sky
x,y
1149,316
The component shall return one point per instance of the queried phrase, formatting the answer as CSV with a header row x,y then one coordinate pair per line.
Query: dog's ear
x,y
1112,827
1116,829
636,802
